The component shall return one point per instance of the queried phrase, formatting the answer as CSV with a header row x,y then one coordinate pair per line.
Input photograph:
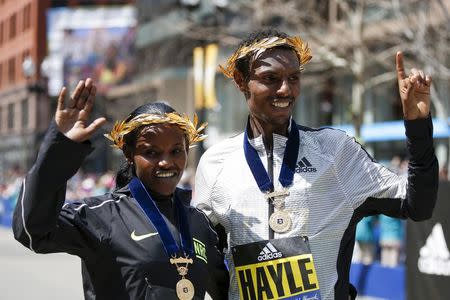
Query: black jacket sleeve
x,y
218,284
423,170
39,222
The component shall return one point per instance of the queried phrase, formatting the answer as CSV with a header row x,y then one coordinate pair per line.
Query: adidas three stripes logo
x,y
304,166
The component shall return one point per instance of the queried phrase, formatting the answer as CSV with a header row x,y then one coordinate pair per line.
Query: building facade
x,y
24,107
350,80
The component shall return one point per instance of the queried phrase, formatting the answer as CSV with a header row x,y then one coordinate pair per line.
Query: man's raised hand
x,y
414,91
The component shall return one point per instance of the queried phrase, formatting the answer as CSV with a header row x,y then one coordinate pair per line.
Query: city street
x,y
26,275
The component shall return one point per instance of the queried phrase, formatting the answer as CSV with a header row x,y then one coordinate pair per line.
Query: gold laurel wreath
x,y
296,43
122,128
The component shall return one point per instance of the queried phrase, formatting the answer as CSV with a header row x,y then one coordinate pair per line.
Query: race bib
x,y
276,269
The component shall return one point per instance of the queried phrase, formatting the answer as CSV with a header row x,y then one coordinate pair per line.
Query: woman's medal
x,y
279,221
185,288
181,258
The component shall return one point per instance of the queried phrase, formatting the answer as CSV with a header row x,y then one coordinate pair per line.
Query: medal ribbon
x,y
286,176
147,204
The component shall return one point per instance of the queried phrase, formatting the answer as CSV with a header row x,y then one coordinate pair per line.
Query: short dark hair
x,y
126,172
243,64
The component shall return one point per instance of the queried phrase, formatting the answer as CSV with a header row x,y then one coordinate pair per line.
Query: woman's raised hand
x,y
72,119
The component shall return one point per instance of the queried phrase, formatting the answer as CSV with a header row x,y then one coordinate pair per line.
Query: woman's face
x,y
160,157
273,86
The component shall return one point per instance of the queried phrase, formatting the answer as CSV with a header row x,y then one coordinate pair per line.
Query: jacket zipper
x,y
270,173
148,283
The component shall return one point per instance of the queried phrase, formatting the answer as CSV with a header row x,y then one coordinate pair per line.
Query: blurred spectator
x,y
2,201
391,240
391,229
365,245
9,192
443,172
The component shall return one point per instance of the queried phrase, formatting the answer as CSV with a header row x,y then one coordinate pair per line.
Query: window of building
x,y
27,17
11,69
25,113
1,33
12,26
25,54
10,116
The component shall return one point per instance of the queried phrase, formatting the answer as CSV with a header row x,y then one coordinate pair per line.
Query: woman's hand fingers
x,y
76,94
84,95
61,98
90,100
72,120
96,124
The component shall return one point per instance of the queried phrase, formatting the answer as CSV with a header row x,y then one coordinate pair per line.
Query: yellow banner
x,y
212,51
205,67
198,56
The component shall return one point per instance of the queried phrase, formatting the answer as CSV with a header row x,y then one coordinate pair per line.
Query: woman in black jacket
x,y
142,241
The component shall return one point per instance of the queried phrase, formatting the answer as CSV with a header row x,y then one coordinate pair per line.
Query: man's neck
x,y
258,127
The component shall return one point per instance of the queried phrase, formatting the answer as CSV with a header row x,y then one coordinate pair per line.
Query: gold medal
x,y
280,221
185,289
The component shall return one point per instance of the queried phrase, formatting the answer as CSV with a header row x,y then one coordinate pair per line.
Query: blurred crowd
x,y
10,182
381,238
378,238
81,185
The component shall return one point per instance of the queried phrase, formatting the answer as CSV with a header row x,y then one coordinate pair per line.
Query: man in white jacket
x,y
289,197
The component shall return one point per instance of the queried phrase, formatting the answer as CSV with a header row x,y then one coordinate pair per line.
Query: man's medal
x,y
280,220
180,258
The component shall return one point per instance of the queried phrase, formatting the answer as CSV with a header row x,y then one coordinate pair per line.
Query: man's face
x,y
273,86
160,157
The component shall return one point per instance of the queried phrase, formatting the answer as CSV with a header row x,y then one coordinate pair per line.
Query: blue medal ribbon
x,y
286,176
147,204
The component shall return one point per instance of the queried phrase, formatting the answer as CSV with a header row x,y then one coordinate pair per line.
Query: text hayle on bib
x,y
276,269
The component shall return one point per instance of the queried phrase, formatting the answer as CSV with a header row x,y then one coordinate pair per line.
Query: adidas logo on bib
x,y
434,257
269,252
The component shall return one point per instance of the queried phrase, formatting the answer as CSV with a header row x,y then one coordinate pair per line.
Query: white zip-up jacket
x,y
335,185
